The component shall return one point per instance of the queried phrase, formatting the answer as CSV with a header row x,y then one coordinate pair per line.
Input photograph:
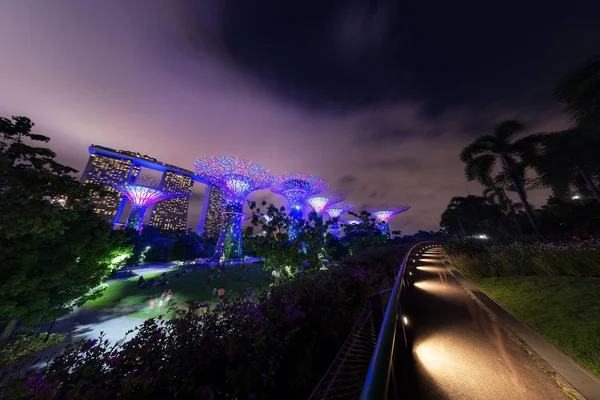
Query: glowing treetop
x,y
322,201
296,188
337,209
386,214
143,193
238,178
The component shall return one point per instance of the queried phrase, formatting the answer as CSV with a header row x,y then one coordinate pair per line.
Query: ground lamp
x,y
335,211
237,178
296,188
143,193
385,215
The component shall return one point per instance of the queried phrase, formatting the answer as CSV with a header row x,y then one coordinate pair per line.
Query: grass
x,y
126,298
565,310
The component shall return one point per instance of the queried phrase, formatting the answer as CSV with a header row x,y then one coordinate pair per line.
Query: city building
x,y
111,168
171,214
212,212
108,171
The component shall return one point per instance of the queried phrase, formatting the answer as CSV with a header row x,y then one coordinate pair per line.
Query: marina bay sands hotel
x,y
110,167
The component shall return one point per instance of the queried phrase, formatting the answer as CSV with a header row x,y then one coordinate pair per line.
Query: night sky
x,y
376,97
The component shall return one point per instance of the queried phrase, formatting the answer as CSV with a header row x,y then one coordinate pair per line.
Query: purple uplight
x,y
142,194
323,200
386,214
238,178
296,187
338,209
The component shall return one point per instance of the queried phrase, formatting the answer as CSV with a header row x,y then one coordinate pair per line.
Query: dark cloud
x,y
338,55
325,88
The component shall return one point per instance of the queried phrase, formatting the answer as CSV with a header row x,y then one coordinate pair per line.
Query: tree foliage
x,y
52,254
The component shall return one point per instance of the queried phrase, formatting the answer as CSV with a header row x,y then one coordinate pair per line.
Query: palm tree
x,y
482,156
497,195
567,155
579,91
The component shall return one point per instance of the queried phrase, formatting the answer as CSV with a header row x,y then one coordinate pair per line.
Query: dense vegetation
x,y
54,249
265,345
566,162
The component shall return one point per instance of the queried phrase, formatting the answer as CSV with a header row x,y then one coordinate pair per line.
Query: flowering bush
x,y
574,258
25,342
261,345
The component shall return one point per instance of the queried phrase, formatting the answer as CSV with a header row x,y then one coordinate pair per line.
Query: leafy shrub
x,y
24,343
574,258
261,345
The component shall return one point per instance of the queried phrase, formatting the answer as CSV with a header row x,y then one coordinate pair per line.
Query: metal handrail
x,y
378,378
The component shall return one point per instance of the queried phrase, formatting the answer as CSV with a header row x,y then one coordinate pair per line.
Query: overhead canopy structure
x,y
385,214
237,178
142,193
335,211
322,201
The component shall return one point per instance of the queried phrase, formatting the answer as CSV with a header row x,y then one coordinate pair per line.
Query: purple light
x,y
238,178
323,200
338,209
386,214
142,194
352,222
296,188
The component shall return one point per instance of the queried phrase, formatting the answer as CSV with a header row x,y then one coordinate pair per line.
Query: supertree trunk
x,y
295,215
136,218
229,246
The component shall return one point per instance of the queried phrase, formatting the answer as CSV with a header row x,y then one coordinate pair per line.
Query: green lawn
x,y
126,298
565,310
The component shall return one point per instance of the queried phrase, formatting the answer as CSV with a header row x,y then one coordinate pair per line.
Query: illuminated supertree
x,y
385,215
322,201
142,193
237,178
335,211
296,188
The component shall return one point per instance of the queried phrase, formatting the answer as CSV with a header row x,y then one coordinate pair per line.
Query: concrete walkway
x,y
558,362
459,351
90,325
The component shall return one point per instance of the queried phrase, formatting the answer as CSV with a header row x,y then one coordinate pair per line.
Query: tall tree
x,y
469,215
567,155
497,195
51,255
579,91
483,155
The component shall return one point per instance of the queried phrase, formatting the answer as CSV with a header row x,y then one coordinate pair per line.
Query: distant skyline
x,y
375,97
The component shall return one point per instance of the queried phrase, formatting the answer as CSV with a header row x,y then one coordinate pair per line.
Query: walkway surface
x,y
86,324
459,352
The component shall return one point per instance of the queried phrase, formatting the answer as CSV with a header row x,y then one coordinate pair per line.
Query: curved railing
x,y
377,382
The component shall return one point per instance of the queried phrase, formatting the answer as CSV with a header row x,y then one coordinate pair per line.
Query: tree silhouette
x,y
483,155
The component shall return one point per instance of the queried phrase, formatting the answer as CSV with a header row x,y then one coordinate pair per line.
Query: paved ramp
x,y
459,352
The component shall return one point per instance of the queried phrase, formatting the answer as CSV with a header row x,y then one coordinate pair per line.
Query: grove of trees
x,y
564,162
54,250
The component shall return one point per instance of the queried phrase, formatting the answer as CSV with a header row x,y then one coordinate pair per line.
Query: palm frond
x,y
480,168
509,128
482,144
578,90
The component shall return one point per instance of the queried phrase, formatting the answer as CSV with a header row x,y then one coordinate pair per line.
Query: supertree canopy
x,y
237,178
296,188
385,215
143,193
335,211
322,201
